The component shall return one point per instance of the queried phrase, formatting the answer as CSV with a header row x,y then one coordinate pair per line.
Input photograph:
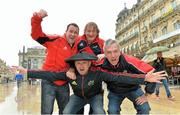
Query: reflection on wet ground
x,y
22,100
26,100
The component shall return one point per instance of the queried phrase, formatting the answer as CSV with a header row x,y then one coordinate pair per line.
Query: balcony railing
x,y
133,35
167,36
144,29
163,16
127,27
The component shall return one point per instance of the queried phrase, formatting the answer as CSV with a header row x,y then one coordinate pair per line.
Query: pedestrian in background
x,y
19,78
160,65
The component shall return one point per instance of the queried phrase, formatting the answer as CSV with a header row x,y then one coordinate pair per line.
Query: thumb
x,y
150,72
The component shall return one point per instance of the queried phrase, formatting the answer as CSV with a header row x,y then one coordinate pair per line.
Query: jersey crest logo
x,y
91,83
74,83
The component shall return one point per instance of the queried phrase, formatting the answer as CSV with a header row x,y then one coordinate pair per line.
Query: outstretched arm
x,y
46,75
50,76
133,78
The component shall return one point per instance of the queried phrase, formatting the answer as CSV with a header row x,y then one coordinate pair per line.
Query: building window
x,y
173,4
131,32
142,9
145,39
131,47
35,64
130,20
171,45
122,50
154,35
162,10
134,46
153,17
164,30
134,17
144,23
151,2
177,25
135,29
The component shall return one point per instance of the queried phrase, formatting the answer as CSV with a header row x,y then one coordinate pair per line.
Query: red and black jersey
x,y
57,48
95,47
89,85
127,64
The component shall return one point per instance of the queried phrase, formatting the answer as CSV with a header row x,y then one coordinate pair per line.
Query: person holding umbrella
x,y
160,65
87,86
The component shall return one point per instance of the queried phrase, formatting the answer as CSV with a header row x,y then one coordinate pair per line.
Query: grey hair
x,y
109,42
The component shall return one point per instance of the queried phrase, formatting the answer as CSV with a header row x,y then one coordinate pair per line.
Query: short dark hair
x,y
72,24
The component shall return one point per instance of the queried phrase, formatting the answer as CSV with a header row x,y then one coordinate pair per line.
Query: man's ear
x,y
89,63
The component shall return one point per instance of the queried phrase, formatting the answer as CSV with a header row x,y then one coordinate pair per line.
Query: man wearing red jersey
x,y
58,49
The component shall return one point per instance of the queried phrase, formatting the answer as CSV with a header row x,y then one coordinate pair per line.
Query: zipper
x,y
82,86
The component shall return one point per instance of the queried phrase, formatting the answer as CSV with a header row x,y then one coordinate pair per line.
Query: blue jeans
x,y
50,92
115,101
19,83
166,86
76,103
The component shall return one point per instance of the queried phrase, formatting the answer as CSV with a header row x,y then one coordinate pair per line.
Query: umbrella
x,y
157,49
151,57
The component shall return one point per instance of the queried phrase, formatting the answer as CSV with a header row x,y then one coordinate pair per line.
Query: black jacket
x,y
128,64
89,85
159,66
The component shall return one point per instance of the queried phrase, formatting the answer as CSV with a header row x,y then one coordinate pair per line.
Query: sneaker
x,y
171,97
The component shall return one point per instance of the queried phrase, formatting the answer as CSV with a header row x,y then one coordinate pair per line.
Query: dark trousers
x,y
50,92
115,101
81,111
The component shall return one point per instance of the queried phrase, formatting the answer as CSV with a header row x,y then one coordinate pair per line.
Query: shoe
x,y
171,97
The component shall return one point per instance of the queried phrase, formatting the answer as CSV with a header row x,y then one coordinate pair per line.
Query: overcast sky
x,y
15,26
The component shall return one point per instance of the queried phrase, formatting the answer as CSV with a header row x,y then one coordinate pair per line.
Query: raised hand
x,y
100,56
71,74
42,13
141,100
155,77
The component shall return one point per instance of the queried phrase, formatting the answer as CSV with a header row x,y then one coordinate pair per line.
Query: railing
x,y
163,16
133,35
166,36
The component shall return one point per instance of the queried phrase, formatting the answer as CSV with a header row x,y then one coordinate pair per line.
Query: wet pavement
x,y
26,100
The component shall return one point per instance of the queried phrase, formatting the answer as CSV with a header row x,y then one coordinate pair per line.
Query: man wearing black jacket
x,y
160,65
87,86
116,61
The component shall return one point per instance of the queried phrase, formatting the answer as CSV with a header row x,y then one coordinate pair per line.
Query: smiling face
x,y
91,31
71,33
82,66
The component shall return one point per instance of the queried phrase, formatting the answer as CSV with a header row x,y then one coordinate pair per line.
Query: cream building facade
x,y
5,72
33,58
147,24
